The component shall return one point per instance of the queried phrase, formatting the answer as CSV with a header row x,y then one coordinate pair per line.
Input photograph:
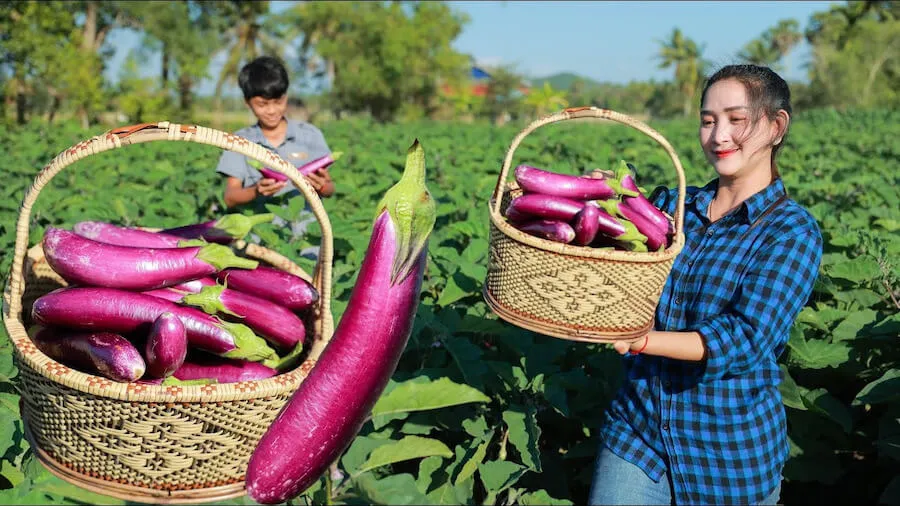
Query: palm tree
x,y
758,52
249,33
685,55
783,37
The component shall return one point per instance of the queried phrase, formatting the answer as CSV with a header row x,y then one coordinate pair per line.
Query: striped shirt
x,y
718,426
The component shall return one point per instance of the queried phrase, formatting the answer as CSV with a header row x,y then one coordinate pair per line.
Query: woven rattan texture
x,y
573,295
161,446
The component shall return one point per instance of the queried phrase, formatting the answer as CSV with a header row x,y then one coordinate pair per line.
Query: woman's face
x,y
268,111
732,144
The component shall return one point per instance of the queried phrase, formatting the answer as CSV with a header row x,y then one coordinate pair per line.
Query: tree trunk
x,y
873,74
185,85
90,27
21,104
54,105
165,66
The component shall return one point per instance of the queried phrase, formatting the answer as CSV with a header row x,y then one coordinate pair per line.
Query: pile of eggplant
x,y
170,307
605,209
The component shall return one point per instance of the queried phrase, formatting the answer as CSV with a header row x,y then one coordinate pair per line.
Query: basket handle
x,y
592,113
165,131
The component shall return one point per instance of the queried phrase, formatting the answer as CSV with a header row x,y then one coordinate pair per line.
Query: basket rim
x,y
102,387
592,113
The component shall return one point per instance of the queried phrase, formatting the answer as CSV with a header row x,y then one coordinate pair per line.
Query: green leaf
x,y
7,367
359,449
852,325
394,489
856,270
524,434
539,498
817,354
441,393
791,393
458,286
498,475
408,448
822,402
883,390
427,468
474,456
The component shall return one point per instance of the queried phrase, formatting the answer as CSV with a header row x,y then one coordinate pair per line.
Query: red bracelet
x,y
647,340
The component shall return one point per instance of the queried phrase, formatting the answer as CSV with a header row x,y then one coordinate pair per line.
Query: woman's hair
x,y
766,91
263,77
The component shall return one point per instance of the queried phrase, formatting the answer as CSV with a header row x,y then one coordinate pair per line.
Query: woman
x,y
699,418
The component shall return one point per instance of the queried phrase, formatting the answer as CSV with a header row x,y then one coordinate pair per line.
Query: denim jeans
x,y
617,481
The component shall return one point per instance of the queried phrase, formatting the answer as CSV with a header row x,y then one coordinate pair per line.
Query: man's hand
x,y
321,182
268,186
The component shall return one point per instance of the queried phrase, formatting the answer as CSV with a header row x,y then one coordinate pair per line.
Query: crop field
x,y
480,411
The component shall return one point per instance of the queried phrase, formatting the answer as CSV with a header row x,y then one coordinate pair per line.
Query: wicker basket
x,y
575,292
151,443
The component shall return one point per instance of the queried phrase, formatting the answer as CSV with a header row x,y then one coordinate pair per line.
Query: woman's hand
x,y
268,186
636,345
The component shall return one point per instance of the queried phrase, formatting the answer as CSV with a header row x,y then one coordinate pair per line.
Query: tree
x,y
774,45
384,56
247,31
686,56
46,54
501,99
545,99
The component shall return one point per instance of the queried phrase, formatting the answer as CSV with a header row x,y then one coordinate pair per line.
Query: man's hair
x,y
263,77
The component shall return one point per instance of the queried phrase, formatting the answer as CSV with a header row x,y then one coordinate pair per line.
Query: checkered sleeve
x,y
773,291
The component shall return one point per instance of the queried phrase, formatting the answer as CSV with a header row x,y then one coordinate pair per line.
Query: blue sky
x,y
603,40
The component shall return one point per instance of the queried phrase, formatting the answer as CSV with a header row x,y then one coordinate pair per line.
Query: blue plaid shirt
x,y
718,426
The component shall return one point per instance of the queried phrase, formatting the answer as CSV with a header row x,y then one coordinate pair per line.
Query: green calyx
x,y
632,239
286,362
615,183
248,346
221,257
209,300
412,211
337,155
238,225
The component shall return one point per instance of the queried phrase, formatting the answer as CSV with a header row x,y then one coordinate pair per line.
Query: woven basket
x,y
151,443
572,292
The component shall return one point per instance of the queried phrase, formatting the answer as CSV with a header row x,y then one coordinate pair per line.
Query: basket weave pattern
x,y
574,292
153,443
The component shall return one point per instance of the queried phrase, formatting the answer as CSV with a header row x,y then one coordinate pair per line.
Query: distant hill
x,y
563,81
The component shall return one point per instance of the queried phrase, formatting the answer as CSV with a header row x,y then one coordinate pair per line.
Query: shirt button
x,y
677,300
667,383
665,426
709,233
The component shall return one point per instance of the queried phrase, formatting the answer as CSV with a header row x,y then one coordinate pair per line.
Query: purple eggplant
x,y
121,311
534,180
84,261
221,370
306,169
553,230
641,235
275,285
224,230
328,409
166,346
125,236
639,204
548,207
274,322
95,352
586,225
